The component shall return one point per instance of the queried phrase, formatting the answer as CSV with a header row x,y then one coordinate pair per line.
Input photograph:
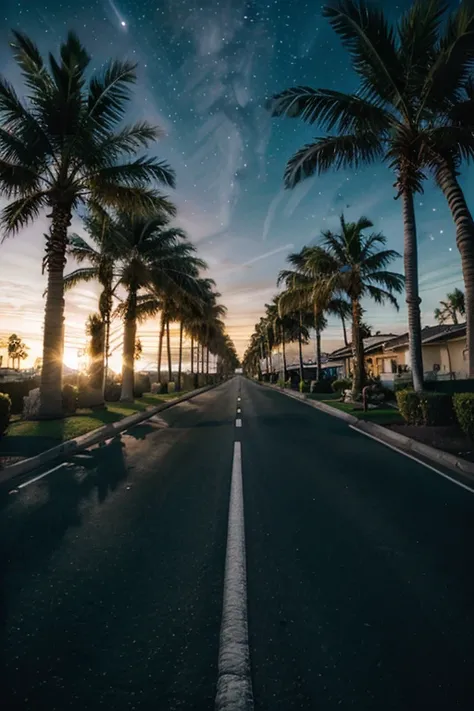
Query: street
x,y
359,582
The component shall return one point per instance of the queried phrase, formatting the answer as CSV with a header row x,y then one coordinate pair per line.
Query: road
x,y
360,590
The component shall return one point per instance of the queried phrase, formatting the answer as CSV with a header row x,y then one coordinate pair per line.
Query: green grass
x,y
381,416
323,396
31,437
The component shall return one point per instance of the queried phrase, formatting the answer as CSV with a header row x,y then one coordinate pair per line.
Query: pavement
x,y
359,583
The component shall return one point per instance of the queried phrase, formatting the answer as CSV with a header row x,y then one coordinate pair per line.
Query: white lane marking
x,y
238,399
234,684
238,410
415,459
40,476
238,423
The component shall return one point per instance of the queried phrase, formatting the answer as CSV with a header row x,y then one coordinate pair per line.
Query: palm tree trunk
x,y
197,358
202,358
97,371
168,348
300,349
317,331
160,346
192,355
357,349
271,360
51,399
344,331
129,338
410,258
106,348
283,349
447,180
207,364
180,356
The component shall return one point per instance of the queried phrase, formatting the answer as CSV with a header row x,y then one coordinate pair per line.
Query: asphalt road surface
x,y
360,581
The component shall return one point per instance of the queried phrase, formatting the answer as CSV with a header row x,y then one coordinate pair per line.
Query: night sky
x,y
205,69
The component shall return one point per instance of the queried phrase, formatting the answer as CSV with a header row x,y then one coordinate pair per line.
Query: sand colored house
x,y
388,357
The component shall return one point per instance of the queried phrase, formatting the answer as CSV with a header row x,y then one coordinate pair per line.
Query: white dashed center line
x,y
234,685
238,423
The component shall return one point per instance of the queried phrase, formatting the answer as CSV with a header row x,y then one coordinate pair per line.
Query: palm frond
x,y
346,151
388,280
80,276
17,179
127,141
109,95
370,41
381,296
348,113
138,173
21,212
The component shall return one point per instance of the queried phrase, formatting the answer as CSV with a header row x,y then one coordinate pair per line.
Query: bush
x,y
70,394
5,411
281,383
436,408
17,390
142,384
304,386
410,408
171,387
342,384
463,404
113,391
321,386
402,385
450,386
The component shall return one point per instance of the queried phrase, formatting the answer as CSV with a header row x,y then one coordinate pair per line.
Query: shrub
x,y
436,408
142,384
112,391
342,384
450,386
281,383
410,408
304,386
463,404
321,386
17,390
5,411
163,388
287,383
70,394
402,385
171,387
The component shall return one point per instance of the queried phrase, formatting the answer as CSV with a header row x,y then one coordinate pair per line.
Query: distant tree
x,y
17,350
453,307
365,330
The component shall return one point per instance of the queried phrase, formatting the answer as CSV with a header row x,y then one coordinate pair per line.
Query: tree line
x,y
414,110
66,149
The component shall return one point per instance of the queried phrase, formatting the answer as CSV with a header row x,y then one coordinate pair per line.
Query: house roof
x,y
430,334
370,344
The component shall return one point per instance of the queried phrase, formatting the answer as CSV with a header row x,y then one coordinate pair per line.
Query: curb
x,y
78,444
387,436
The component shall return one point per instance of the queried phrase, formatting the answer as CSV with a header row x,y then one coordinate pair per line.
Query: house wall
x,y
457,356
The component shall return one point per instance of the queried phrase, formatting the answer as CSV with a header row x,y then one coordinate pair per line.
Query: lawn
x,y
381,416
27,438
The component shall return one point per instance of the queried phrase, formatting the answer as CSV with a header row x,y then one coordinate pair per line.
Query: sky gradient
x,y
205,68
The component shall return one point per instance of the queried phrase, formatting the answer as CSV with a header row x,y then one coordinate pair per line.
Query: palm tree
x,y
101,259
402,113
354,266
306,290
96,332
450,308
153,257
62,148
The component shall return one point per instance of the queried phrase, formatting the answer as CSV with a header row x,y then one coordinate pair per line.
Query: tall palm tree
x,y
355,266
402,113
153,257
100,258
61,148
454,305
306,290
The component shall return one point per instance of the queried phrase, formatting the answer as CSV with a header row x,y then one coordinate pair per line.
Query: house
x,y
387,356
376,360
444,353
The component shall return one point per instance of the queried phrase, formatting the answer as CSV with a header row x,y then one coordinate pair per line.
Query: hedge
x,y
322,386
464,408
437,408
17,390
5,411
409,405
450,386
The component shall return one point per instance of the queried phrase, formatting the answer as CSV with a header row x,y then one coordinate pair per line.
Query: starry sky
x,y
205,68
